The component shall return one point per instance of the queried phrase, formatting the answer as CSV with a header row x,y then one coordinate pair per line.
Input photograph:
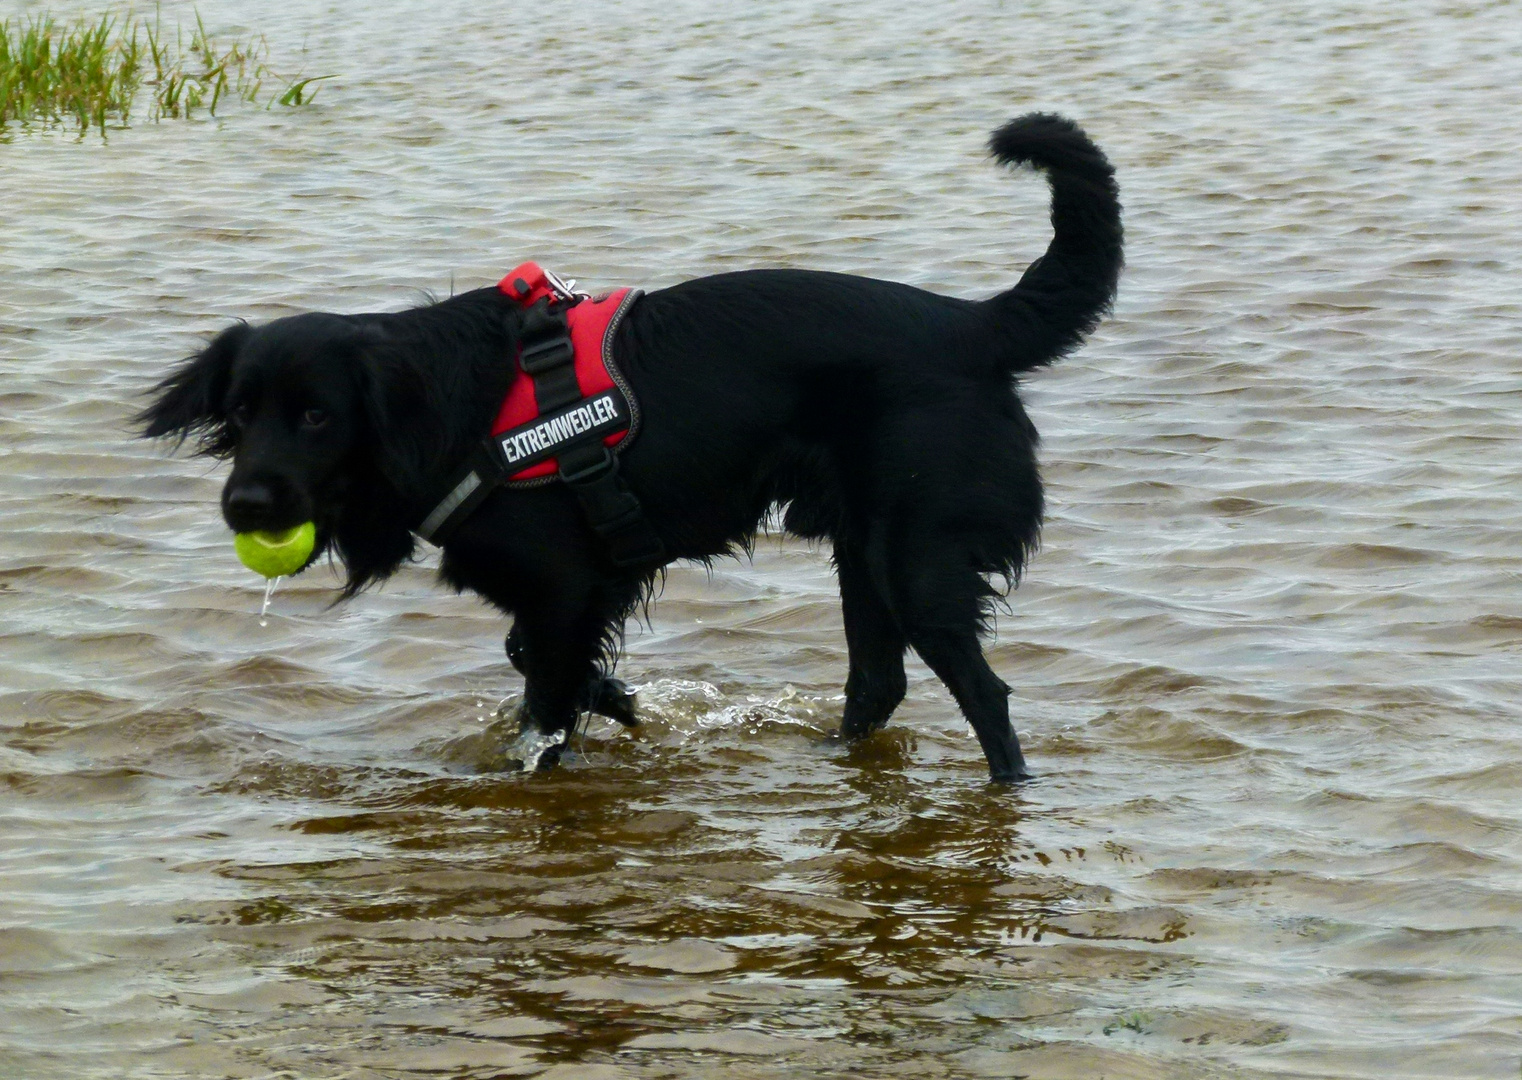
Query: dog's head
x,y
322,425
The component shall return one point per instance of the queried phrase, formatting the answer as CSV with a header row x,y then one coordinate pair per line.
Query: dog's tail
x,y
1062,295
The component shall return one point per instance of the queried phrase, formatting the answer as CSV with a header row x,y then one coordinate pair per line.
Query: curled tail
x,y
1062,295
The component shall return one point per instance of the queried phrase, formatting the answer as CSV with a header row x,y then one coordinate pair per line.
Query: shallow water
x,y
1266,663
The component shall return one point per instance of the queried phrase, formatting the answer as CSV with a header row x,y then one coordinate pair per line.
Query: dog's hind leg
x,y
938,595
875,684
602,694
957,659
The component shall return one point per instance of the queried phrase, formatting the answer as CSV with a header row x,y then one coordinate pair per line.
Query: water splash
x,y
530,746
269,591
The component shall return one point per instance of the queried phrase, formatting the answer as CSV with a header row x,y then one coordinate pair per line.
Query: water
x,y
524,745
270,585
1266,663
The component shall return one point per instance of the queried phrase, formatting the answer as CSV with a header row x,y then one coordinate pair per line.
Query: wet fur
x,y
880,417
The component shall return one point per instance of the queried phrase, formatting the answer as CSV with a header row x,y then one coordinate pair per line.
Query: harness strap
x,y
576,426
587,466
548,357
614,512
481,473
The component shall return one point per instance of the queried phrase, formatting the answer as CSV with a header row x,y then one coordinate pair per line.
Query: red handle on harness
x,y
531,282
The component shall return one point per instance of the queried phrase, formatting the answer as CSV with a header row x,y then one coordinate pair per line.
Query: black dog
x,y
881,417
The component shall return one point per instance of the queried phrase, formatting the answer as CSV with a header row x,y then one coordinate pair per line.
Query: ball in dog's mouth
x,y
276,554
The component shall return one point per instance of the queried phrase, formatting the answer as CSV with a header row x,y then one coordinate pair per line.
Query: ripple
x,y
1263,666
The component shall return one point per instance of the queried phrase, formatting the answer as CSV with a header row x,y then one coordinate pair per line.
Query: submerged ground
x,y
1266,664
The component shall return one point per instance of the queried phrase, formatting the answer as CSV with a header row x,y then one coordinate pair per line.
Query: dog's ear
x,y
393,457
402,413
190,400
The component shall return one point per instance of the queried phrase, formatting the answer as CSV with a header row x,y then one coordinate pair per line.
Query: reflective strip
x,y
450,504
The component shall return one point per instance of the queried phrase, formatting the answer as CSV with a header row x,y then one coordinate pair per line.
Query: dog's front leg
x,y
601,694
557,661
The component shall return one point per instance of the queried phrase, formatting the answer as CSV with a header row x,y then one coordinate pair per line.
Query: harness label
x,y
592,416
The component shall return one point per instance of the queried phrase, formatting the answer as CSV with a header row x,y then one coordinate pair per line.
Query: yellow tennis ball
x,y
276,554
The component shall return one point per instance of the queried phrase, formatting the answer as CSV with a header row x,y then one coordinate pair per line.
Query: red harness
x,y
567,414
592,323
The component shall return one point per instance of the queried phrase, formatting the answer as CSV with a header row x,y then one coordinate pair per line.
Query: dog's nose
x,y
249,503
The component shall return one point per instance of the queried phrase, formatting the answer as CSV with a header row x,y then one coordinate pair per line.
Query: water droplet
x,y
269,591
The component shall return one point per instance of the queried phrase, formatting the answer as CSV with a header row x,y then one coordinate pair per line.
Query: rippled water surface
x,y
1265,664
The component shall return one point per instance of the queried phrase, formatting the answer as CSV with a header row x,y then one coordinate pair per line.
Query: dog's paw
x,y
536,751
612,698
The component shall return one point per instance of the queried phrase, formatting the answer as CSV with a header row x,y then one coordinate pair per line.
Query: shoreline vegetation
x,y
90,73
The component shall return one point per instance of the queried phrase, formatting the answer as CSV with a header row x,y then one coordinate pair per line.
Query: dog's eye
x,y
314,418
238,415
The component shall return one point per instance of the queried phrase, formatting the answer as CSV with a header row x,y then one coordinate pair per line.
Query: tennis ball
x,y
275,554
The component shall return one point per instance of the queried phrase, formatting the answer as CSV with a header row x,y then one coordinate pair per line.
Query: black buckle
x,y
612,509
541,356
545,337
630,515
605,464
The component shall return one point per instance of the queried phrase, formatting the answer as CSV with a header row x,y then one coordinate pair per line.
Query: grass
x,y
90,73
1136,1022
